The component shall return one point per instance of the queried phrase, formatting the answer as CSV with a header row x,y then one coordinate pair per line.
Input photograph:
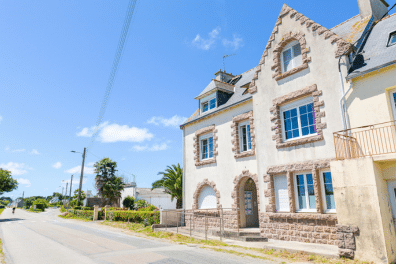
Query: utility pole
x,y
81,178
23,196
71,184
66,190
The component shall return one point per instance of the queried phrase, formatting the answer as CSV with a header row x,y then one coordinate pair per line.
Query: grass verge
x,y
1,210
279,256
71,216
1,250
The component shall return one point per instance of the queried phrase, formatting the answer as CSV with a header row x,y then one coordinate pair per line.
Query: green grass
x,y
35,210
71,216
1,210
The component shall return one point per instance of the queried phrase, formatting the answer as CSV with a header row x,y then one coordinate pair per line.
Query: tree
x,y
41,204
83,195
172,182
129,202
107,183
7,183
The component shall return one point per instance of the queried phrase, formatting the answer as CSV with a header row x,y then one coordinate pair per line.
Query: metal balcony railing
x,y
365,141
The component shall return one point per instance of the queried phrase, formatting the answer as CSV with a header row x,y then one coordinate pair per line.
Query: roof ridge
x,y
344,22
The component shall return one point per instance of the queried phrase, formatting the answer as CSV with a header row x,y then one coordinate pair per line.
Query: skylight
x,y
392,39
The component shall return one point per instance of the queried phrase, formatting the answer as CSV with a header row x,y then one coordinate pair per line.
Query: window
x,y
298,119
281,194
305,192
291,56
206,146
392,39
245,142
207,198
208,103
327,190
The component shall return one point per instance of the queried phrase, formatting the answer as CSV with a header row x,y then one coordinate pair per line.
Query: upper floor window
x,y
208,102
298,119
291,56
245,142
392,39
206,146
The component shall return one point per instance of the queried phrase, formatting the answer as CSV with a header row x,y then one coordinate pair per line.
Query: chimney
x,y
376,8
223,76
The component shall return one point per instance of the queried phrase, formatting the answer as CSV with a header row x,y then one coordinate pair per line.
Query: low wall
x,y
171,217
197,218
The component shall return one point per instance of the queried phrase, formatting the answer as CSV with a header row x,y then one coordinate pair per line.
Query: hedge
x,y
87,214
135,216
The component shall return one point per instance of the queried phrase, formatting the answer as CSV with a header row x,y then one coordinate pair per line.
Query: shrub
x,y
41,204
129,202
73,203
136,216
148,208
141,204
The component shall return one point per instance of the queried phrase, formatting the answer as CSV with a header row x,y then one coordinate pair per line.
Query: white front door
x,y
392,196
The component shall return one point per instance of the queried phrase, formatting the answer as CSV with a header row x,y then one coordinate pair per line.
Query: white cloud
x,y
19,150
155,147
35,152
116,133
77,170
206,44
174,121
15,168
235,43
7,149
57,165
24,182
1,118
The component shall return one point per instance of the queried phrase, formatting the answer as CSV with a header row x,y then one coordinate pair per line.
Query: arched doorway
x,y
249,206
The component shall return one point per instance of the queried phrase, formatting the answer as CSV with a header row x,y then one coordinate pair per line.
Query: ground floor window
x,y
305,192
328,192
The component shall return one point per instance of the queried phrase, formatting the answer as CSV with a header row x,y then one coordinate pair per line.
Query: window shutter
x,y
281,193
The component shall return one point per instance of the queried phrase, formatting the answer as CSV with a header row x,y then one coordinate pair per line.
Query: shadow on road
x,y
11,219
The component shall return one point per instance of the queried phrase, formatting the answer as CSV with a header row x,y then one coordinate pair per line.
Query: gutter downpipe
x,y
344,114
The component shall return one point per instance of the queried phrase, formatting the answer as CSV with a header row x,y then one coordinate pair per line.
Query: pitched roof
x,y
236,98
351,29
376,53
216,85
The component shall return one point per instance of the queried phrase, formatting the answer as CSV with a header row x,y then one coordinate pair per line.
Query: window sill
x,y
299,141
244,154
308,216
205,162
292,71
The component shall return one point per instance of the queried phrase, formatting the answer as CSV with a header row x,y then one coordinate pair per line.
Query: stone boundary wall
x,y
346,240
235,135
197,219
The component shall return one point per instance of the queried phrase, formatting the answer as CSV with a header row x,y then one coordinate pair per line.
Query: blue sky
x,y
56,57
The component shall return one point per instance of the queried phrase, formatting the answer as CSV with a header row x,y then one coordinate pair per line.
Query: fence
x,y
203,221
365,141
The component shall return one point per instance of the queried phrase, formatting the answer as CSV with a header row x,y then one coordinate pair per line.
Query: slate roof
x,y
212,85
237,97
351,29
376,53
148,191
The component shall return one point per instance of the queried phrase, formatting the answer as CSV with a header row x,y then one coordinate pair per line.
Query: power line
x,y
117,58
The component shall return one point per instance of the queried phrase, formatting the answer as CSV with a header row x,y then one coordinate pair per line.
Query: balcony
x,y
372,140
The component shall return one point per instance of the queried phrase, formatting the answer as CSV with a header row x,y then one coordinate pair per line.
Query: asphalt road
x,y
30,238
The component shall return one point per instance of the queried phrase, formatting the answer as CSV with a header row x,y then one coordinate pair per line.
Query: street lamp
x,y
81,177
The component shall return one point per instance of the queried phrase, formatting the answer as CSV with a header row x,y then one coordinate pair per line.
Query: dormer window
x,y
291,56
392,39
208,103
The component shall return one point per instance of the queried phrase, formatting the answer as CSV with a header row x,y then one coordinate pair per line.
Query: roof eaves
x,y
357,74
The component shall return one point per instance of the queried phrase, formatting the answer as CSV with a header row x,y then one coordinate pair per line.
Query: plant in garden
x,y
41,204
7,183
75,196
129,202
106,182
172,182
141,204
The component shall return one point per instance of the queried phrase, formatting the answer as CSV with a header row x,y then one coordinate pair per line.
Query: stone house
x,y
262,142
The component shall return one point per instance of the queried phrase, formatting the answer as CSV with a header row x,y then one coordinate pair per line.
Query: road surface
x,y
30,238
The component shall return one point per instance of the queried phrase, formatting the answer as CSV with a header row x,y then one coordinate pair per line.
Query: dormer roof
x,y
216,85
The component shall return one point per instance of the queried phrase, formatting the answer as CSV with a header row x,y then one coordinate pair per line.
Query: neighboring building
x,y
17,203
54,200
157,197
268,151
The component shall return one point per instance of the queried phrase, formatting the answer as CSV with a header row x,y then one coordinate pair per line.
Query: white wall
x,y
161,202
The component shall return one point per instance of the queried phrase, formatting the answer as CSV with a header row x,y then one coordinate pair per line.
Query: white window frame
x,y
310,210
201,138
296,104
292,61
207,100
240,125
323,192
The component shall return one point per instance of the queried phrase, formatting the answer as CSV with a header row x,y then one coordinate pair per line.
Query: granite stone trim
x,y
235,195
305,216
301,166
342,45
318,191
198,133
286,39
290,189
235,135
200,185
346,240
277,121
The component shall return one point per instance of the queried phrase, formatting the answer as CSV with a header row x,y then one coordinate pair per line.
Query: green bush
x,y
86,214
129,202
141,204
82,208
136,216
41,204
148,208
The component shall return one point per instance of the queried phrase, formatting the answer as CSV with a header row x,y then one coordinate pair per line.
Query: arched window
x,y
207,198
291,56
